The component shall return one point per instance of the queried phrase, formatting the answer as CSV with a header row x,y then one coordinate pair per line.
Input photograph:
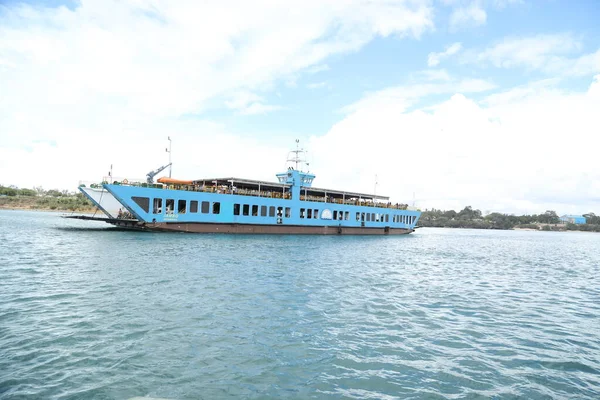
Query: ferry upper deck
x,y
280,190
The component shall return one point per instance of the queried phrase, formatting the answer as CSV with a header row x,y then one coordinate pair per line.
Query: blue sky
x,y
458,101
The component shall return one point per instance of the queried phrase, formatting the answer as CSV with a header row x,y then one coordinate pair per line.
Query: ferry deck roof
x,y
265,185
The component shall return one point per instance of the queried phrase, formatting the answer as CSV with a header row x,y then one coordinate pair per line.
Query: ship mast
x,y
294,156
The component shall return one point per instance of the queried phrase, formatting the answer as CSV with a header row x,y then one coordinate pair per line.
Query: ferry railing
x,y
212,189
355,202
264,194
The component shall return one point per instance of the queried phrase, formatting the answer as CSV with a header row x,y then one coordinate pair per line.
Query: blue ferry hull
x,y
168,209
196,227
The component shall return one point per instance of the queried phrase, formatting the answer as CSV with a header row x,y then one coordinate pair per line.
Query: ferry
x,y
245,206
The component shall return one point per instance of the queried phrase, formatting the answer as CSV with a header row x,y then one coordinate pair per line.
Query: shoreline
x,y
511,229
64,211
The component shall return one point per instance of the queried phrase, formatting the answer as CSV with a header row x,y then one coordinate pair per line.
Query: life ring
x,y
125,181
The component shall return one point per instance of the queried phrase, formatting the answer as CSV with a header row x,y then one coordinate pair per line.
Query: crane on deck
x,y
150,175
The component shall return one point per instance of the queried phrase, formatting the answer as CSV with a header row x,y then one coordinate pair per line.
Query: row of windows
x,y
309,213
404,219
206,207
372,217
253,210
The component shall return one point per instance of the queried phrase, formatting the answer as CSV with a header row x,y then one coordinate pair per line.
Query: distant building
x,y
573,219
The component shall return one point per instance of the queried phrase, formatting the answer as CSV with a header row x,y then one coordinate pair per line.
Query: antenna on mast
x,y
169,151
297,146
295,157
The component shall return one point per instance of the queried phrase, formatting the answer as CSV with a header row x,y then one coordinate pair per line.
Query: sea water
x,y
91,312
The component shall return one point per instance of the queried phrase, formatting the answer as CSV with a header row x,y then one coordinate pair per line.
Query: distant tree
x,y
54,193
549,217
451,214
591,218
9,191
469,214
27,192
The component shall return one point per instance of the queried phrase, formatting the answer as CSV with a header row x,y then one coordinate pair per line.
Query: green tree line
x,y
470,218
39,198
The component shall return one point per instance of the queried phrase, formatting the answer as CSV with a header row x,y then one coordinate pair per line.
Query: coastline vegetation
x,y
470,218
11,197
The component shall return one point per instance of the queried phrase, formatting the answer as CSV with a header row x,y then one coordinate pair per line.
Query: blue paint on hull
x,y
388,217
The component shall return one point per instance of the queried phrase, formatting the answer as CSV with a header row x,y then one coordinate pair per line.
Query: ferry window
x,y
362,217
181,206
143,202
387,217
309,213
170,206
246,210
372,216
157,209
335,215
263,211
271,211
279,212
288,212
368,217
302,211
347,215
236,209
376,217
216,208
358,216
193,206
316,214
255,210
205,207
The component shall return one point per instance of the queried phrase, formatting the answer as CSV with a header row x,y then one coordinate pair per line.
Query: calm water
x,y
88,312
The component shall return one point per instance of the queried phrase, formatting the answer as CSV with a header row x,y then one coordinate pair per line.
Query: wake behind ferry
x,y
237,205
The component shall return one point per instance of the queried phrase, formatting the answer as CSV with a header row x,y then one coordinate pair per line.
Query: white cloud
x,y
247,103
470,15
531,52
317,85
433,75
318,68
107,79
406,95
523,152
554,54
434,58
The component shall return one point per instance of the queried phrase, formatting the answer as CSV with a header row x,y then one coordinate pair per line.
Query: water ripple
x,y
90,312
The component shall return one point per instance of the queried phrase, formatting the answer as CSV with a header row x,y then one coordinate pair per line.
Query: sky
x,y
437,103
